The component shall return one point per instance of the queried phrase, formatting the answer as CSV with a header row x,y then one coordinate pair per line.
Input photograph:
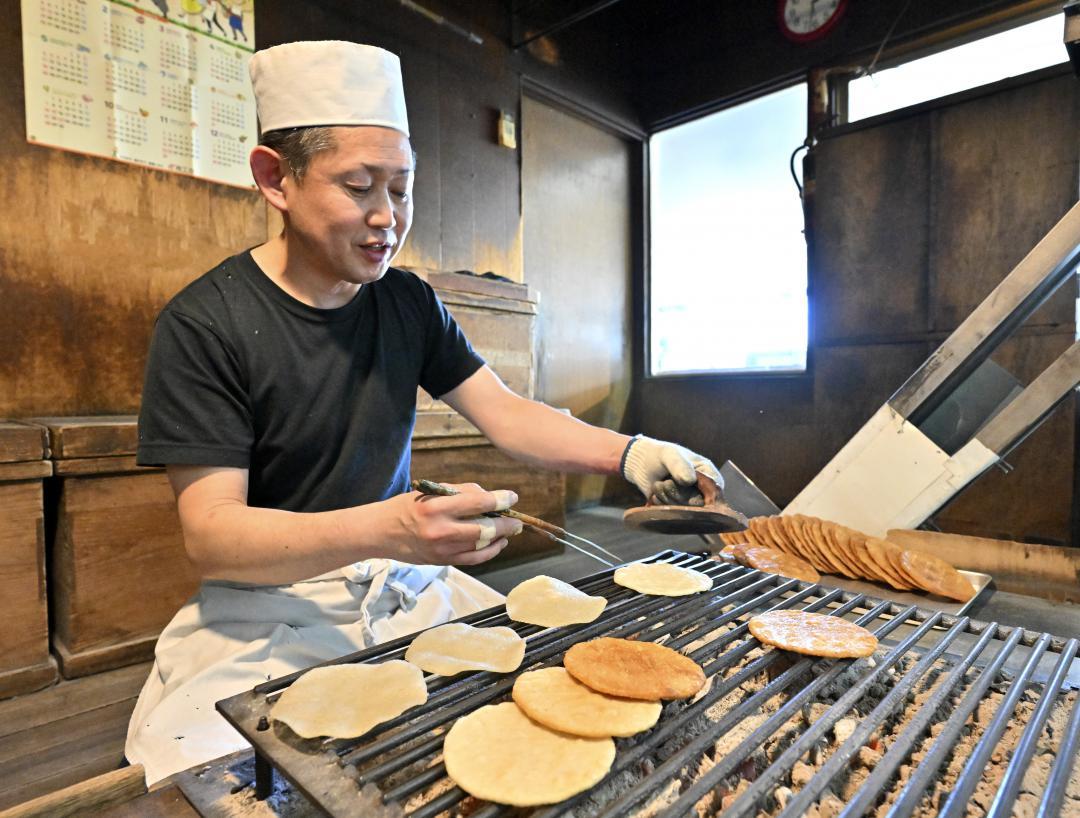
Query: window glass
x,y
728,265
1008,54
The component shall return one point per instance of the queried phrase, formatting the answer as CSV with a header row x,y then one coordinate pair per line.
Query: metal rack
x,y
398,764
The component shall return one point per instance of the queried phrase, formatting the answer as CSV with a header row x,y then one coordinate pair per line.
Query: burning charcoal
x,y
801,775
748,770
869,758
782,794
843,729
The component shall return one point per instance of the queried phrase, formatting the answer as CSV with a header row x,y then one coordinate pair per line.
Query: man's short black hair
x,y
299,145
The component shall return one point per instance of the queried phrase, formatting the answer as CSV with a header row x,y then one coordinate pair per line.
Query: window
x,y
728,270
1016,51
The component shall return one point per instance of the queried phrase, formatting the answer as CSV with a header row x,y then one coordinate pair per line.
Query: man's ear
x,y
270,171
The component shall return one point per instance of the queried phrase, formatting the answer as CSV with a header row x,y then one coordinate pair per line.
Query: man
x,y
280,394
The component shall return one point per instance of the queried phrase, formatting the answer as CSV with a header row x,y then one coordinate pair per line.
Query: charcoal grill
x,y
397,769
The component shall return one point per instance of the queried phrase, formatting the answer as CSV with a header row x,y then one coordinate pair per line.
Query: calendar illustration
x,y
161,83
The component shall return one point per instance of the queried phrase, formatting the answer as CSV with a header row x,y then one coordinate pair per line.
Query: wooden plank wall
x,y
915,220
91,249
576,181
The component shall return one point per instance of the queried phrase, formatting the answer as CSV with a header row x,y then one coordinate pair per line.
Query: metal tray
x,y
980,582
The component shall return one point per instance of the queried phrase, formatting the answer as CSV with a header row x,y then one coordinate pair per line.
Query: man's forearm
x,y
537,434
242,543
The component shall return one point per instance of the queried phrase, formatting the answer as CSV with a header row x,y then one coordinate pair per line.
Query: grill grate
x,y
397,769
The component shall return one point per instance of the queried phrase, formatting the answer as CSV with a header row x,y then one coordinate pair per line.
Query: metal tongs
x,y
545,529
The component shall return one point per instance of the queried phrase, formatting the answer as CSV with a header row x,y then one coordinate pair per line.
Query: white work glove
x,y
646,462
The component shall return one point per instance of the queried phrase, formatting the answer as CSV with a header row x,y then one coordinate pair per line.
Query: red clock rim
x,y
817,33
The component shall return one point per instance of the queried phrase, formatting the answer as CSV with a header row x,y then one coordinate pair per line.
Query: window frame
x,y
804,374
831,83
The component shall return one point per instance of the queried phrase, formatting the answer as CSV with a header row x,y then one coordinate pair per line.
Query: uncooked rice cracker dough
x,y
662,579
936,576
634,670
813,634
772,561
345,701
552,603
457,647
499,754
555,699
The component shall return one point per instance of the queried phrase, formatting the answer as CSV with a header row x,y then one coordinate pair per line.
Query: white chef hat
x,y
328,82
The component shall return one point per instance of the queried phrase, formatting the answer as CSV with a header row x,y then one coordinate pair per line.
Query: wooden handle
x,y
431,487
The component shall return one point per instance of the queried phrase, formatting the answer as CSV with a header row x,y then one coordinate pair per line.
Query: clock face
x,y
804,20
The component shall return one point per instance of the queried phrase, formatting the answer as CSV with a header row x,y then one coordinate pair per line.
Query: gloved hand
x,y
647,461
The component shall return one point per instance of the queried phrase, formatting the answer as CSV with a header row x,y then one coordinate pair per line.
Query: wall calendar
x,y
162,83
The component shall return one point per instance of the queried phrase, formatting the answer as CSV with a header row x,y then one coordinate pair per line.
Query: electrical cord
x,y
805,146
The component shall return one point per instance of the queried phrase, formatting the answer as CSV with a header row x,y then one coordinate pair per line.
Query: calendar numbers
x,y
125,79
68,16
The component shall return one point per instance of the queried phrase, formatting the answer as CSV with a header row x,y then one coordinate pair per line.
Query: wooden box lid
x,y
24,451
21,441
91,436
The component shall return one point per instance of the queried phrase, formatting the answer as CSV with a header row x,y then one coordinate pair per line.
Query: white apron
x,y
230,637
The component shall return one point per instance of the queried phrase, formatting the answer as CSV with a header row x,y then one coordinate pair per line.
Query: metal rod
x,y
970,776
712,629
440,803
415,783
867,725
436,711
264,777
670,766
1054,796
550,530
1038,275
772,775
1010,784
927,770
576,17
875,783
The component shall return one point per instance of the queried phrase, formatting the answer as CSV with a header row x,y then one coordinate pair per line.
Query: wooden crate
x,y
25,662
118,570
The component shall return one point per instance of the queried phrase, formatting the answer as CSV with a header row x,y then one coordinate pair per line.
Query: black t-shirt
x,y
319,405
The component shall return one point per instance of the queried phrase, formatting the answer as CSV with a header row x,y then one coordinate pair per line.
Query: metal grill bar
x,y
1010,785
438,711
402,756
839,759
734,656
910,796
497,614
972,772
1050,807
782,765
690,713
885,769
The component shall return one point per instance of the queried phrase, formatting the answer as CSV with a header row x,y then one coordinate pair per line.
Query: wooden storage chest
x,y
25,662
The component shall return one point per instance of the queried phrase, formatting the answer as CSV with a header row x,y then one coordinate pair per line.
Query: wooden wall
x,y
915,219
577,191
91,249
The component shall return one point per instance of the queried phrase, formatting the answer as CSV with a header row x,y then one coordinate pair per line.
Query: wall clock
x,y
805,20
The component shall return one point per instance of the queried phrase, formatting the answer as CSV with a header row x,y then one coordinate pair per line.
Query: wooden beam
x,y
94,794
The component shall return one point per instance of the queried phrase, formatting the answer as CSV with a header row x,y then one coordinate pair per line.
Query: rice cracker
x,y
813,634
497,753
633,670
936,576
772,561
552,697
